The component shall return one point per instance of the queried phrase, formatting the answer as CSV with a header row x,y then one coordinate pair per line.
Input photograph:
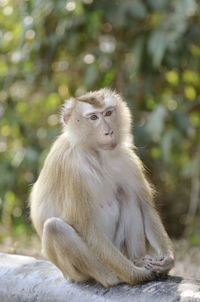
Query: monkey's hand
x,y
140,262
160,264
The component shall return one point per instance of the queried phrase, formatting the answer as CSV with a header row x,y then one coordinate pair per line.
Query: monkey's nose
x,y
109,132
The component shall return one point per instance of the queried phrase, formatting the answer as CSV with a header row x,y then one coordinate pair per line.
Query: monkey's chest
x,y
108,215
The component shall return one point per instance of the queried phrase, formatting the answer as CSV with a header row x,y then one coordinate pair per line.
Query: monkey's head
x,y
99,119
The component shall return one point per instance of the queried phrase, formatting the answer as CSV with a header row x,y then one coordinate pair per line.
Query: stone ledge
x,y
25,279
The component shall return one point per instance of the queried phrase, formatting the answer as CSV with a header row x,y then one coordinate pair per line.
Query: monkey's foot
x,y
111,280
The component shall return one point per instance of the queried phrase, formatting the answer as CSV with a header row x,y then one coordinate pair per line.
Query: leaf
x,y
158,4
137,9
191,77
52,101
172,77
189,168
166,144
155,123
137,54
157,46
190,92
182,122
186,8
3,68
91,75
171,144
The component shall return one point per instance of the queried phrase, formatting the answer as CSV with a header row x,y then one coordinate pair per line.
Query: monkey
x,y
92,204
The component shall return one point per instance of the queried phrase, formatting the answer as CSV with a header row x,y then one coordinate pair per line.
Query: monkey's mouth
x,y
108,146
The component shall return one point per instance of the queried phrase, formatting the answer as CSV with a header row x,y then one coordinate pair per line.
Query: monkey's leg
x,y
134,232
66,249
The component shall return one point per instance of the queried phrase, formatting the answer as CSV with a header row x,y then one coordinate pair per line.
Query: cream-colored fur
x,y
92,205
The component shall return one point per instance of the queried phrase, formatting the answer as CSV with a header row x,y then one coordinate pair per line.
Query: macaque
x,y
92,205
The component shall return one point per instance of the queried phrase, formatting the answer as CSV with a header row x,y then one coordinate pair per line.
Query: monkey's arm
x,y
159,240
154,229
114,259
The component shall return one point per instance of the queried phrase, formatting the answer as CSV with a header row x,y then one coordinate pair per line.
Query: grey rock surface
x,y
25,279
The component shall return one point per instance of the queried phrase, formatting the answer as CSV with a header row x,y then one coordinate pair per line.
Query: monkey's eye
x,y
108,113
94,117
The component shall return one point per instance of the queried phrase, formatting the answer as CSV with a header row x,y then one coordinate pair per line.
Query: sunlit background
x,y
149,51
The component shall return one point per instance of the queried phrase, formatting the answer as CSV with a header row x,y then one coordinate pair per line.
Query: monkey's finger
x,y
148,257
162,262
157,263
150,268
160,269
154,258
157,269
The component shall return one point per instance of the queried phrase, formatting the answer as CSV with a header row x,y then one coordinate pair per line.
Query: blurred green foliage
x,y
149,51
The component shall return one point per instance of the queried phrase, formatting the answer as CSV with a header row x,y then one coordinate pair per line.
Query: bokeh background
x,y
147,50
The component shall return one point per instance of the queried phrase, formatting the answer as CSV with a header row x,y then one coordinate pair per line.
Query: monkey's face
x,y
99,120
100,125
103,130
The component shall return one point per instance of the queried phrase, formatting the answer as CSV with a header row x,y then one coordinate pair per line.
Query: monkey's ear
x,y
66,111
